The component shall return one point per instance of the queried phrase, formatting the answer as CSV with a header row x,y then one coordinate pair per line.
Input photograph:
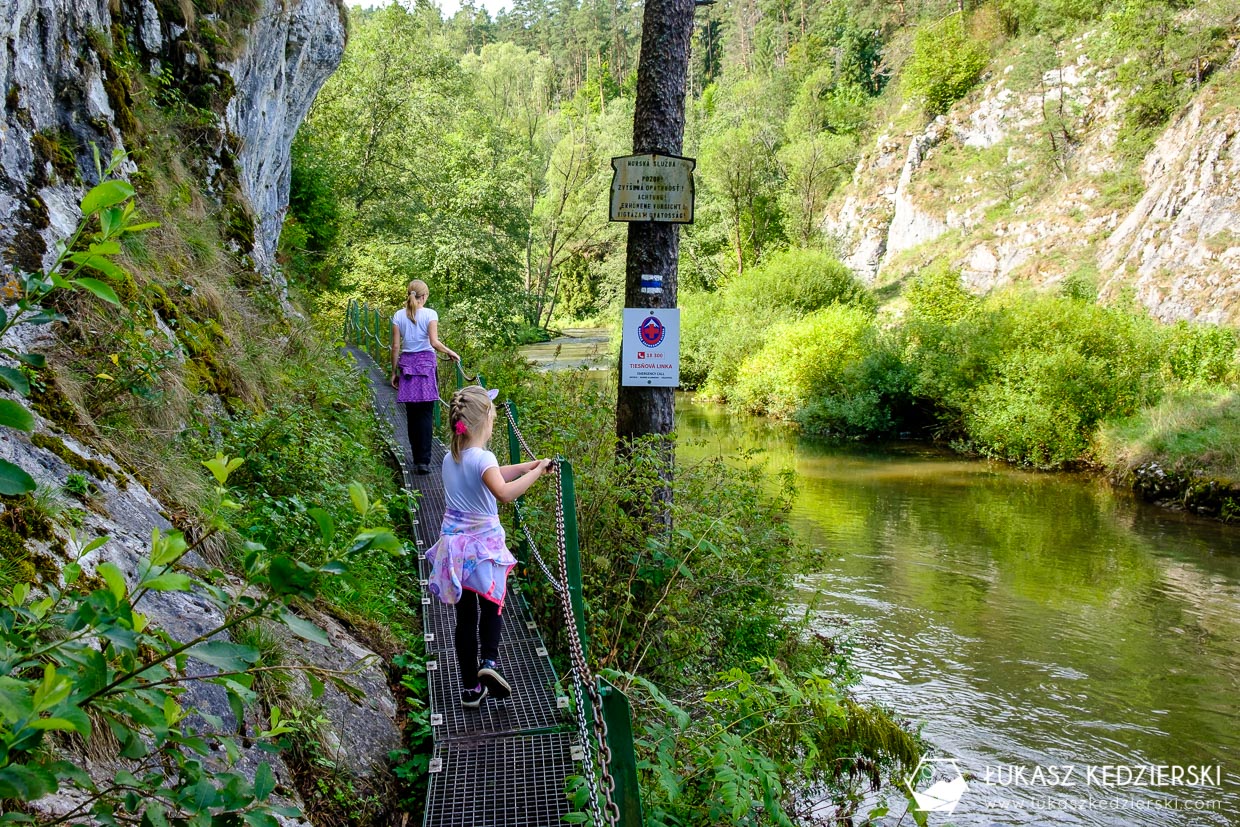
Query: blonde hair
x,y
416,286
472,406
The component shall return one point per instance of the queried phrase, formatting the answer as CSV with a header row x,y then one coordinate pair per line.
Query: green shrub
x,y
797,281
805,359
722,331
944,65
873,395
699,329
1199,355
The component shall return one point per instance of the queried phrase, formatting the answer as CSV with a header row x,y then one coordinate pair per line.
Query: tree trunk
x,y
654,247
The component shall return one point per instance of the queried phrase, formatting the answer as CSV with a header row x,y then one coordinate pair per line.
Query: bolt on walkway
x,y
504,764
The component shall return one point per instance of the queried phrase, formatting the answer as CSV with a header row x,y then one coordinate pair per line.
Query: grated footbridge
x,y
508,763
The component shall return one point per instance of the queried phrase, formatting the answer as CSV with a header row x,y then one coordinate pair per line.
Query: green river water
x,y
1025,620
1030,623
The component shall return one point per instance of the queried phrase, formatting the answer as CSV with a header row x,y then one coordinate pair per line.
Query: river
x,y
1026,620
1054,637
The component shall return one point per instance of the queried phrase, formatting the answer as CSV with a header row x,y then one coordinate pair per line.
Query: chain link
x,y
583,675
585,684
556,585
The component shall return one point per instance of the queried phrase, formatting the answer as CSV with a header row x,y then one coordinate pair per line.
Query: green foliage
x,y
804,359
787,286
944,66
108,204
767,735
1030,378
82,660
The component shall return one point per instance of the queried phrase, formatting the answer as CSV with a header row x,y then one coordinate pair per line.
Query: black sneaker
x,y
421,468
472,698
492,680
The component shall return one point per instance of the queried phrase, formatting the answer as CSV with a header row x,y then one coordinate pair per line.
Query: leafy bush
x,y
1028,377
797,281
1199,355
81,660
768,736
944,65
785,287
805,359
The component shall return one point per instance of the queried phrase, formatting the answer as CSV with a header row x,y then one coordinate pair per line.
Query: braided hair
x,y
472,408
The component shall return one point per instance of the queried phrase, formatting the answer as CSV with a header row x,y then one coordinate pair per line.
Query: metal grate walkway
x,y
505,763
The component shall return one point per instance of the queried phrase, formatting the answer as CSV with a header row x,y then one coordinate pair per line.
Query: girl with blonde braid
x,y
470,562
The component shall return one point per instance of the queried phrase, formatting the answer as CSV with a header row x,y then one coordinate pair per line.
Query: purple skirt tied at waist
x,y
471,553
417,378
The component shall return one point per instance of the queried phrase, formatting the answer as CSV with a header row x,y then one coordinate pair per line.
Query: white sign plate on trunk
x,y
652,188
650,348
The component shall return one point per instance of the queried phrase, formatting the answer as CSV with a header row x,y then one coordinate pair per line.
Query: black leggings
x,y
477,621
420,417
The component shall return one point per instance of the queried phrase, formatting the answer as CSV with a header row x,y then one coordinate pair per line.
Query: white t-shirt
x,y
463,485
414,336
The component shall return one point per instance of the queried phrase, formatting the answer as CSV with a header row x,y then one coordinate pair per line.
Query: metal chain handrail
x,y
583,678
556,585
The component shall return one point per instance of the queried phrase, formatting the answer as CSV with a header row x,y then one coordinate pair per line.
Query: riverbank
x,y
1048,381
1182,453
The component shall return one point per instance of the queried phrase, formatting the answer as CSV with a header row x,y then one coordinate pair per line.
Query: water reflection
x,y
1026,618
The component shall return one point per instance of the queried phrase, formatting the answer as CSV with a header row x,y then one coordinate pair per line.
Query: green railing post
x,y
572,551
623,765
514,457
460,376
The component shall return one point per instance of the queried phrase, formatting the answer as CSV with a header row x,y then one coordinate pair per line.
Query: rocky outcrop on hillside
x,y
1013,186
66,91
62,96
289,54
1180,245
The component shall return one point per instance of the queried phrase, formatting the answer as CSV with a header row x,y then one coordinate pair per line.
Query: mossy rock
x,y
51,404
50,146
73,459
25,520
16,565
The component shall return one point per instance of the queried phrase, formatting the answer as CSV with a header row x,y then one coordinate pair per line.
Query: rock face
x,y
1180,245
55,98
61,96
59,99
990,189
289,54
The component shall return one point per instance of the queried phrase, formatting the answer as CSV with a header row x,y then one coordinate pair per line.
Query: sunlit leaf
x,y
99,289
106,194
15,380
13,480
15,415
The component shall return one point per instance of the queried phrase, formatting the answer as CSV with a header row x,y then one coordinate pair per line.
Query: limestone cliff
x,y
61,97
1021,182
247,73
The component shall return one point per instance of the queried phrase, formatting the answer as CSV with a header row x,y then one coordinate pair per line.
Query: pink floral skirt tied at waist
x,y
473,554
418,381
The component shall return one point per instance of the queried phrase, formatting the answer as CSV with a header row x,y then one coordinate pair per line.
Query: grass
x,y
1189,431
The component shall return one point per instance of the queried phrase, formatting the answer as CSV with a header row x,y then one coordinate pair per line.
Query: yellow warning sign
x,y
652,188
